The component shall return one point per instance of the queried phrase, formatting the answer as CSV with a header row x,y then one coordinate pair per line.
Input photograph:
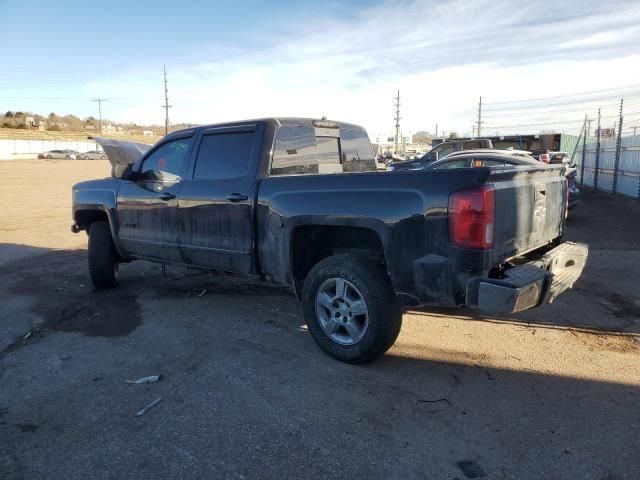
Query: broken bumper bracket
x,y
528,285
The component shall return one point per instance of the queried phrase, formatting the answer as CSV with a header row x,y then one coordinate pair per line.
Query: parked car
x,y
503,158
442,150
551,157
483,158
60,154
572,185
93,155
299,202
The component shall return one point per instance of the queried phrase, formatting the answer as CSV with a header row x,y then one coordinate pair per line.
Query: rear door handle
x,y
237,197
166,196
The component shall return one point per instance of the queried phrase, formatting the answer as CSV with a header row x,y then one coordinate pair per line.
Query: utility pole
x,y
166,105
479,116
436,131
100,100
589,126
634,131
397,119
473,130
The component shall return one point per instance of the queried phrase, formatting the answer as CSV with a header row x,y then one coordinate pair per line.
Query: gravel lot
x,y
550,393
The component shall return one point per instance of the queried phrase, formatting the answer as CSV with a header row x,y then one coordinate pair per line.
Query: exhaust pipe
x,y
75,228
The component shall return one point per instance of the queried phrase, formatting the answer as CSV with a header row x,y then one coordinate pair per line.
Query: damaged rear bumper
x,y
530,284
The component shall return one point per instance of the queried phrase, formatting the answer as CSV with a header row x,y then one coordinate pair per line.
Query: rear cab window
x,y
321,148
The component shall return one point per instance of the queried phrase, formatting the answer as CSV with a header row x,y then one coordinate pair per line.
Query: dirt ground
x,y
550,393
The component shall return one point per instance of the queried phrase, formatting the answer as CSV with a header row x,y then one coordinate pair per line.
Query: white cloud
x,y
441,56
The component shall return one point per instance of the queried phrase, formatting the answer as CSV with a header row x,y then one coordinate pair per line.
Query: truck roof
x,y
278,121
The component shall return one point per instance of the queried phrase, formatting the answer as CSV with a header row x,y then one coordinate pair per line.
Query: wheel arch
x,y
312,243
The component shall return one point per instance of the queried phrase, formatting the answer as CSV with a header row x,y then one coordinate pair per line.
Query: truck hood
x,y
121,153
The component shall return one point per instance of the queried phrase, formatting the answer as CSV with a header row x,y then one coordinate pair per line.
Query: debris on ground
x,y
27,335
471,469
201,294
149,379
148,407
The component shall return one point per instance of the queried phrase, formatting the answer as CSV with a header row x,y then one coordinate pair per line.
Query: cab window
x,y
168,162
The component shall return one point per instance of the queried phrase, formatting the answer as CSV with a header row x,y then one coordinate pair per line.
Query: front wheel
x,y
350,308
103,265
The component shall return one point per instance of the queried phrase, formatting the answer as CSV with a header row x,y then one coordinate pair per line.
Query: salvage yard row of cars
x,y
73,155
300,202
446,155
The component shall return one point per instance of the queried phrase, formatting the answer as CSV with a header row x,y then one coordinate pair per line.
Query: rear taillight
x,y
544,157
472,218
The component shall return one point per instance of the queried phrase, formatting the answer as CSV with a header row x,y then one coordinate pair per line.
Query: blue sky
x,y
229,60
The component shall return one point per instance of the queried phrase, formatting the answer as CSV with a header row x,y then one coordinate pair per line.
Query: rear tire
x,y
362,323
103,265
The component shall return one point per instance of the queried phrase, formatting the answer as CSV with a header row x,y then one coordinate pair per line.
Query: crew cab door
x,y
147,204
215,205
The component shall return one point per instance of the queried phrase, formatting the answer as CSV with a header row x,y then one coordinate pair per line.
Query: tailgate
x,y
530,205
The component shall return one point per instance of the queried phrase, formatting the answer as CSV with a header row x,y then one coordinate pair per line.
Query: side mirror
x,y
128,171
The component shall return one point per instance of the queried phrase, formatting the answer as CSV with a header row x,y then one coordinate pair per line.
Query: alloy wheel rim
x,y
342,311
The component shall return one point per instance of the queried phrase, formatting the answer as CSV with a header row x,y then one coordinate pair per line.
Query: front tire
x,y
103,265
350,308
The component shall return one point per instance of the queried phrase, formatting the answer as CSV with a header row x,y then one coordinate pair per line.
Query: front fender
x,y
97,196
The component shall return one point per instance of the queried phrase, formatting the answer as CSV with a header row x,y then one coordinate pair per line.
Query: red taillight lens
x,y
472,218
544,157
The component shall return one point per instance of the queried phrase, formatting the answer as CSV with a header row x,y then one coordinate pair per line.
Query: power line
x,y
616,89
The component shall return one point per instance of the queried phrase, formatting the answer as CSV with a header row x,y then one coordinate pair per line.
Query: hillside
x,y
21,134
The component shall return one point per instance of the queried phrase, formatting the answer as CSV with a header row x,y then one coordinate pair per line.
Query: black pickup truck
x,y
299,202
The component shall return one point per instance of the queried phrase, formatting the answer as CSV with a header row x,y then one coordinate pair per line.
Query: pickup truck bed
x,y
487,238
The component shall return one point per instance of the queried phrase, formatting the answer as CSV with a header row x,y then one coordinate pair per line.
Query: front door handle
x,y
237,197
167,196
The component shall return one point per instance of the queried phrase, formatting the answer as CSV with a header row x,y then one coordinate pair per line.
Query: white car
x,y
93,155
61,154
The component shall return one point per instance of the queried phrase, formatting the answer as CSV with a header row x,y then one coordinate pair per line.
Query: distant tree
x,y
18,114
9,114
7,125
52,116
422,137
73,122
22,125
54,128
453,135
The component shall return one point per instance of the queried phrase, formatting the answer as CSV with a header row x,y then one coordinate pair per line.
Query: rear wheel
x,y
350,308
48,157
103,265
